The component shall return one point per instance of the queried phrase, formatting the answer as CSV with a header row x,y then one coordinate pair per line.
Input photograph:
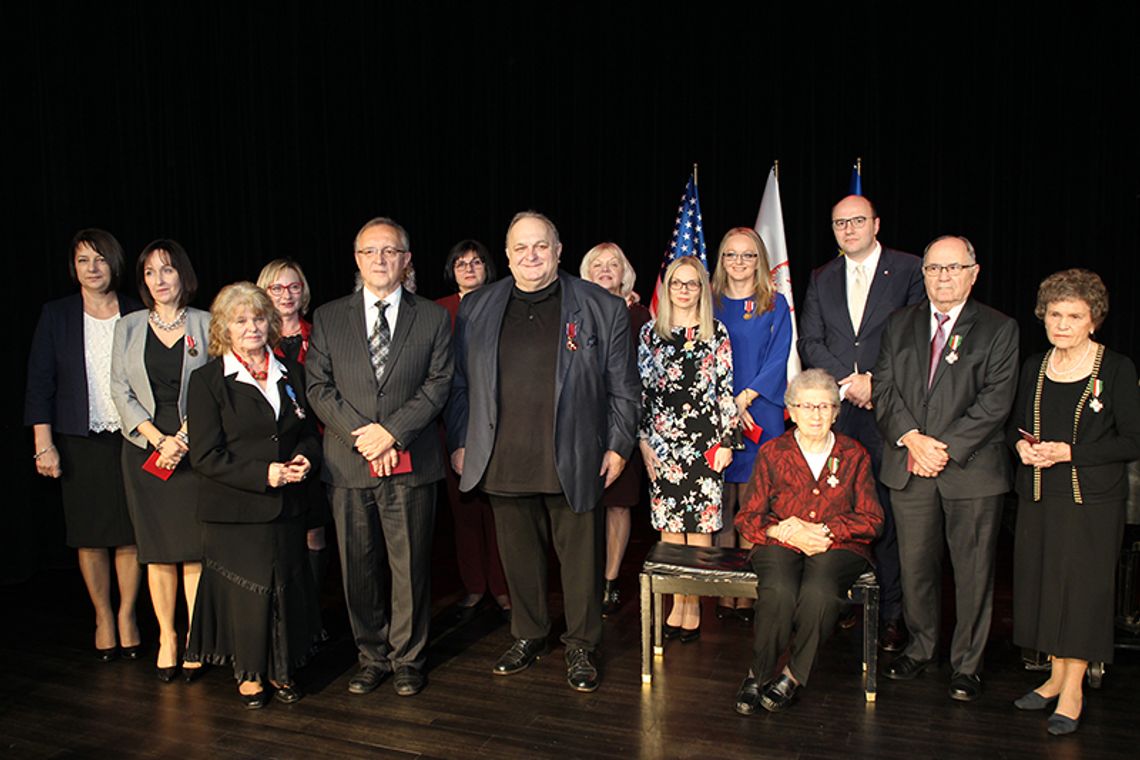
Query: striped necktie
x,y
380,341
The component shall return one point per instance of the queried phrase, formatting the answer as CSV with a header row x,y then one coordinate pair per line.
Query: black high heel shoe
x,y
130,653
107,655
166,675
190,675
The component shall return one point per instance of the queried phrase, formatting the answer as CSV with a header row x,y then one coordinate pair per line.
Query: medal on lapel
x,y
292,394
749,308
191,345
690,333
833,466
571,336
1097,388
955,341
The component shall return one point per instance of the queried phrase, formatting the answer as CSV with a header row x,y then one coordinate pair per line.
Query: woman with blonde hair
x,y
689,422
759,324
606,265
253,440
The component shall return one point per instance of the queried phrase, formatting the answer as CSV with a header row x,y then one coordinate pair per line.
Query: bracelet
x,y
183,436
161,440
43,451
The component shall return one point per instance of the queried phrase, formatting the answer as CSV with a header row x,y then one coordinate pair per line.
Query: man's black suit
x,y
384,526
827,340
965,407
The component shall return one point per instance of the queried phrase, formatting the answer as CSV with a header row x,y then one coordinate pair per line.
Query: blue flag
x,y
856,187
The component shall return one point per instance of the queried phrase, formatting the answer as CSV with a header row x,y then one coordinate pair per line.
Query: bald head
x,y
856,226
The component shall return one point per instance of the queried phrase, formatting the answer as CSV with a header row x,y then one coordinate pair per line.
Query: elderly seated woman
x,y
810,509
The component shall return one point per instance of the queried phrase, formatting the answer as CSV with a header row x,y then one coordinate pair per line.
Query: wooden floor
x,y
57,701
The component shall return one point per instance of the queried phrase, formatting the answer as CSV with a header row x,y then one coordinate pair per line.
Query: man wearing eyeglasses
x,y
944,385
379,370
543,417
848,301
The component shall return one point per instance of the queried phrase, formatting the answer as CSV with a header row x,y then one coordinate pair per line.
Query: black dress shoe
x,y
848,620
611,598
253,701
287,693
1062,725
367,679
581,672
748,696
689,635
190,675
893,637
166,675
724,612
520,656
107,655
905,668
778,693
465,614
408,681
130,653
670,632
965,687
1034,701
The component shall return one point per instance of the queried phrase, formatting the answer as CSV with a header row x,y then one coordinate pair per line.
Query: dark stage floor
x,y
57,701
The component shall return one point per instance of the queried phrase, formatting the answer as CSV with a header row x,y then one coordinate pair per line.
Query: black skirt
x,y
164,513
94,500
257,607
1064,565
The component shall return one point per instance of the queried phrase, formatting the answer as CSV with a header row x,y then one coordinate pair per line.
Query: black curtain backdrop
x,y
252,130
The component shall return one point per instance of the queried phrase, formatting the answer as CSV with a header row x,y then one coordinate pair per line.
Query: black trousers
x,y
385,535
801,597
970,527
860,424
522,524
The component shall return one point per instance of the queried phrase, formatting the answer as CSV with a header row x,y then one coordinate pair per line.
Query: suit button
x,y
812,514
274,436
381,394
816,492
856,343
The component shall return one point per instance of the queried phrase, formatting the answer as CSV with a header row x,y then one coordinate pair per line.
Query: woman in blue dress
x,y
760,327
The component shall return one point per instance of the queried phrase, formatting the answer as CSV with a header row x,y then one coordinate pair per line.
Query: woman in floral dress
x,y
689,424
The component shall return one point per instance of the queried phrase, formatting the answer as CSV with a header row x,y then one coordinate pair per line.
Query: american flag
x,y
688,236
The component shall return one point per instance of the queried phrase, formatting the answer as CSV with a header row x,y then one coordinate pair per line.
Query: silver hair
x,y
812,380
960,238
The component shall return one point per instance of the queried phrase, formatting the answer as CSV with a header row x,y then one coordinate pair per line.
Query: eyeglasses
x,y
388,252
294,287
823,408
858,222
742,256
684,285
933,270
471,264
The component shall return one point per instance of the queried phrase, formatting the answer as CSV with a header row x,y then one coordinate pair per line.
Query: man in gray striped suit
x,y
379,369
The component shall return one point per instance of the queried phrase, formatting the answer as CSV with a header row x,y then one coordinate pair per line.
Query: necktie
x,y
379,341
857,299
937,343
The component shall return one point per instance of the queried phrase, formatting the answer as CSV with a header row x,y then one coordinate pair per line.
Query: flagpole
x,y
776,168
694,173
859,165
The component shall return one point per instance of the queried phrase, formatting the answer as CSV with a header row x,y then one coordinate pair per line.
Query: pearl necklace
x,y
157,320
1072,370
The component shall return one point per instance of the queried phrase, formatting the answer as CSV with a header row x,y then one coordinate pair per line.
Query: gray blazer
x,y
130,383
597,394
343,391
966,407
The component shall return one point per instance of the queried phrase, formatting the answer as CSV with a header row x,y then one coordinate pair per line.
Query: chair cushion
x,y
699,561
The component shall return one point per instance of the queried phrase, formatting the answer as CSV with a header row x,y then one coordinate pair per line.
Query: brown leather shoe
x,y
893,637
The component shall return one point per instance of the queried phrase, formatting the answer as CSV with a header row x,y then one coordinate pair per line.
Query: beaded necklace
x,y
1076,418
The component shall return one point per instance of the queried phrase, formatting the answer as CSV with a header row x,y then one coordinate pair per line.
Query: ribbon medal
x,y
690,333
833,465
297,410
1097,388
955,341
749,308
191,346
571,336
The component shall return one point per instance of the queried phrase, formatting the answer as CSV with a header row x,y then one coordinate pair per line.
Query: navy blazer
x,y
826,338
57,369
965,408
234,437
597,393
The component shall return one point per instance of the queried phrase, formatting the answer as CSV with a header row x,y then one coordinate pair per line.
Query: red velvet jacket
x,y
782,486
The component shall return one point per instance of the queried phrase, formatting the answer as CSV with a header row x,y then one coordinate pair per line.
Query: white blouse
x,y
98,335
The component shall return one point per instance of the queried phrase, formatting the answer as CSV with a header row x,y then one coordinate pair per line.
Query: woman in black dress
x,y
1075,426
606,265
153,355
76,429
253,440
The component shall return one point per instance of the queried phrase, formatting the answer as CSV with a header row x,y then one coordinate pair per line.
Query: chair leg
x,y
871,641
646,623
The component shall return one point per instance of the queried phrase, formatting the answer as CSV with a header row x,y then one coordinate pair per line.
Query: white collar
x,y
232,367
869,264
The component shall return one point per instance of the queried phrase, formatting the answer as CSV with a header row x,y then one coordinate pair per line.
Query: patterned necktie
x,y
380,341
937,343
858,298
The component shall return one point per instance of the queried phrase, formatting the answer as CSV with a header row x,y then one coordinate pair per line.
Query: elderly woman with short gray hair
x,y
811,511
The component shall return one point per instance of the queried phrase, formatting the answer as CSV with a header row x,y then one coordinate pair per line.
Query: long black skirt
x,y
257,606
94,499
1064,565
